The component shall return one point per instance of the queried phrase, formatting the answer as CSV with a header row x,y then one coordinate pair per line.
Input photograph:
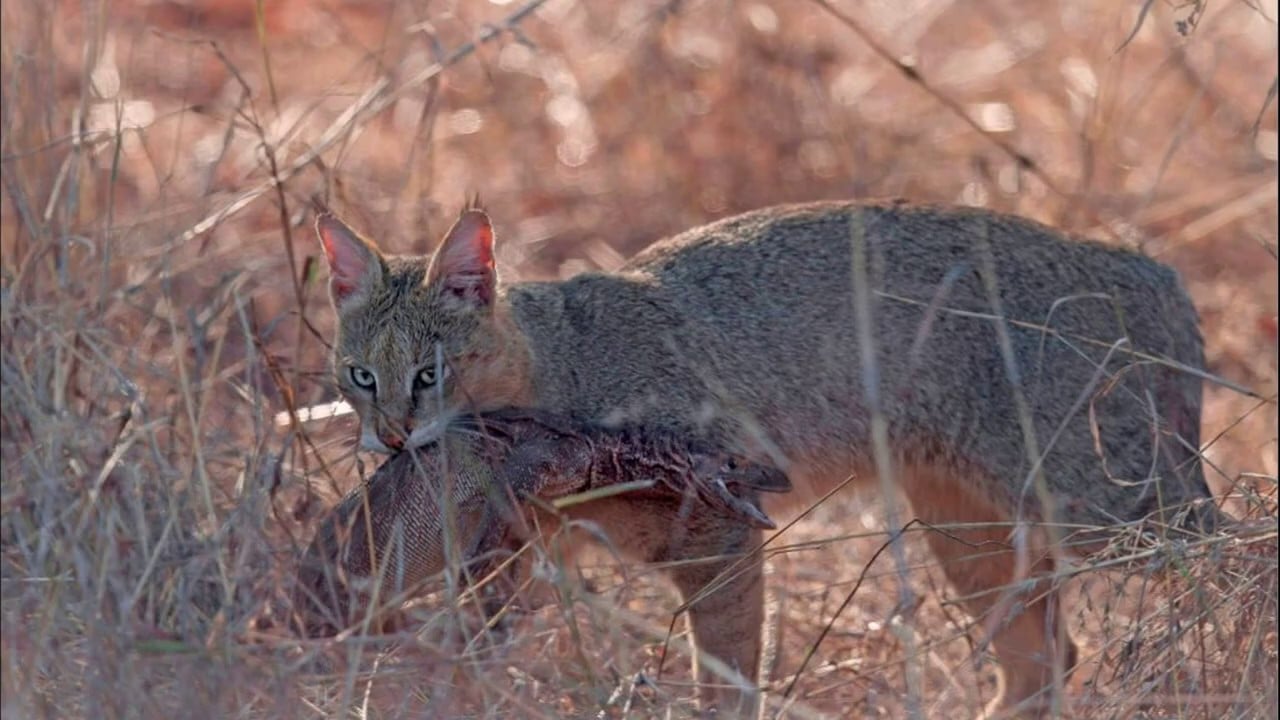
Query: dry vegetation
x,y
161,303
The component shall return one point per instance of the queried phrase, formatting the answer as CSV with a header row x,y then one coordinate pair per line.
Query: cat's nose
x,y
394,441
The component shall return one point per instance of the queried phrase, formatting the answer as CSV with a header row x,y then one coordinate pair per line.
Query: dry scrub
x,y
160,303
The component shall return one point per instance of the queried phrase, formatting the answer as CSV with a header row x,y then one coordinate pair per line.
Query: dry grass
x,y
159,304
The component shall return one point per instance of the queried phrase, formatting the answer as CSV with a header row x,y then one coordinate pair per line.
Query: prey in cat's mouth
x,y
416,438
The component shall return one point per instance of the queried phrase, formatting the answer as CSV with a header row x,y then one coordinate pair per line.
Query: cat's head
x,y
419,338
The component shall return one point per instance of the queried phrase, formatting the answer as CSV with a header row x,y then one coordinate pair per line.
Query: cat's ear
x,y
463,266
355,265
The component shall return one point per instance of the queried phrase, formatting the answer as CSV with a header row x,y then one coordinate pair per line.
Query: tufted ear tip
x,y
464,264
355,265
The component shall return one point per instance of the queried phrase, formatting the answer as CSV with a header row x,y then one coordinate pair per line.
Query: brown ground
x,y
152,509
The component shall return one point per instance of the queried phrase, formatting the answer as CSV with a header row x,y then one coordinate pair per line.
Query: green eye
x,y
426,377
363,378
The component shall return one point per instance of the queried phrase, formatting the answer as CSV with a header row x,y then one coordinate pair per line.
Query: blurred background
x,y
164,297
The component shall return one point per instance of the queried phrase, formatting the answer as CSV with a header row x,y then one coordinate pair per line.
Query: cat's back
x,y
756,315
816,239
774,268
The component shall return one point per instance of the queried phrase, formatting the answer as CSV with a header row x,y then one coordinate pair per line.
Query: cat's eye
x,y
363,378
426,377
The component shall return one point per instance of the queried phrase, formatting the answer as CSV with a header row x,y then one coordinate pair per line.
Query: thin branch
x,y
374,100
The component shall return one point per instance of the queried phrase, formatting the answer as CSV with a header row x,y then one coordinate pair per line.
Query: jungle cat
x,y
1004,358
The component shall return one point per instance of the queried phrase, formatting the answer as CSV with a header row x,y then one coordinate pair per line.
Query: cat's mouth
x,y
430,432
423,435
369,441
